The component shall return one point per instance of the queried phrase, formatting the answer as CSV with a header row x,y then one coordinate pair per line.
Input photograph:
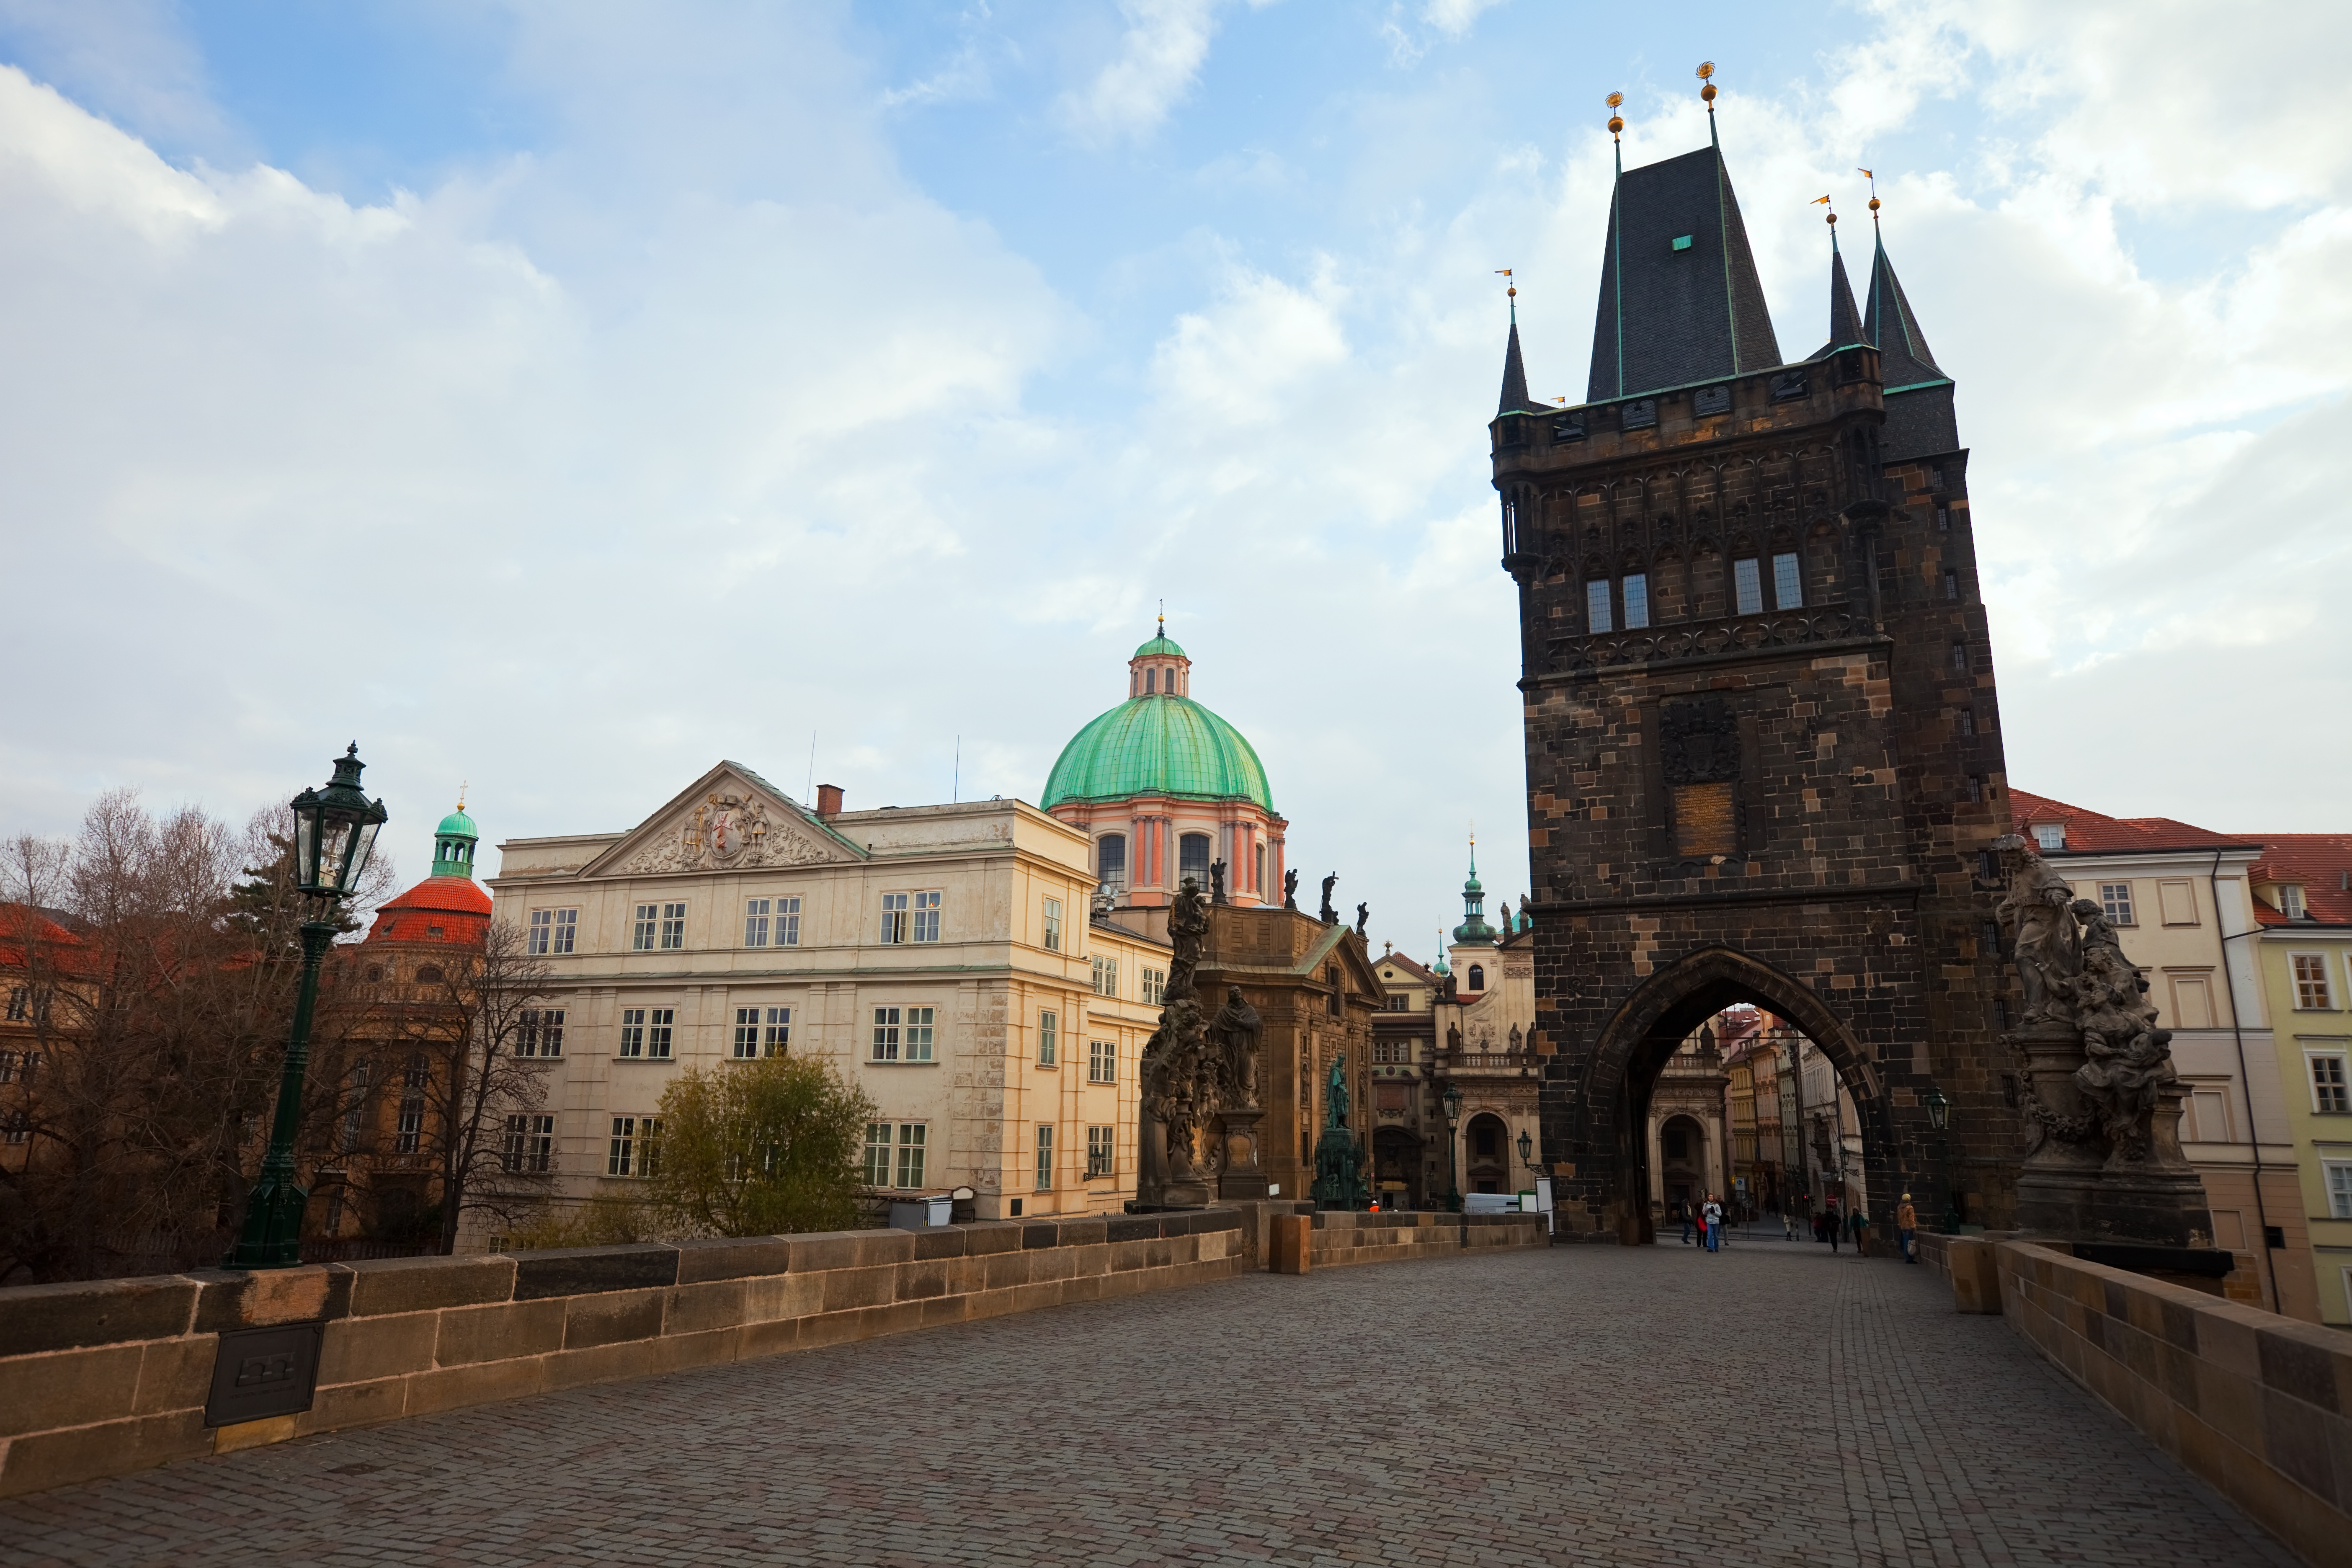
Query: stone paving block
x,y
36,1317
358,1349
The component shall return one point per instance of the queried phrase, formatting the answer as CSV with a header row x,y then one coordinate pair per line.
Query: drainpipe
x,y
2245,1082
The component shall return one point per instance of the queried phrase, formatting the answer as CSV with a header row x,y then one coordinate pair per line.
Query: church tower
x,y
1763,746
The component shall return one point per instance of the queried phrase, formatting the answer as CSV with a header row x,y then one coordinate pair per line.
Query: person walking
x,y
1860,1222
1713,1214
1833,1225
1907,1227
1788,1223
1684,1205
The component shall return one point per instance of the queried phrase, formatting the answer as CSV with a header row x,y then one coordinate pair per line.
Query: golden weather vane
x,y
1616,120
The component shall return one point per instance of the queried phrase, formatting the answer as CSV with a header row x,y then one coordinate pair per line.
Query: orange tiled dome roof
x,y
439,908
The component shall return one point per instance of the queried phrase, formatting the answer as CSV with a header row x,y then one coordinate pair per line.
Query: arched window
x,y
1151,680
1192,858
1110,859
1478,977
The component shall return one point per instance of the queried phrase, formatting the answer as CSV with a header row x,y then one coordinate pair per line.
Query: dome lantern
x,y
454,842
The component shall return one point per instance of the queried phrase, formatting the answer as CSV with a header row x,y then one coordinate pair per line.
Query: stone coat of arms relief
x,y
726,833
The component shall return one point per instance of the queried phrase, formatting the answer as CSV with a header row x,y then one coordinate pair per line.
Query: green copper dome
x,y
1162,645
1158,745
456,824
453,845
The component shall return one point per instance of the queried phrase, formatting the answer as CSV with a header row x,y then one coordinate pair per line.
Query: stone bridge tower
x,y
1764,759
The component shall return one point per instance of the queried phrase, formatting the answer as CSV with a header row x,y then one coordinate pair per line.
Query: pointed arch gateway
x,y
1661,1013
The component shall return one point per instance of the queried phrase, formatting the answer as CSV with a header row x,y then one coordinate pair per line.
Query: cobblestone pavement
x,y
1585,1405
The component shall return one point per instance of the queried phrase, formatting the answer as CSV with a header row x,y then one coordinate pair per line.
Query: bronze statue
x,y
1216,881
1363,919
1290,889
1330,915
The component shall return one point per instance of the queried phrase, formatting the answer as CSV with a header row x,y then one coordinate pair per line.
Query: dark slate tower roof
x,y
1680,300
1845,322
1515,374
1920,421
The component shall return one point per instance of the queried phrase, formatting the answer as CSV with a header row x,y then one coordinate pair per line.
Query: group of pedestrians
x,y
1704,1218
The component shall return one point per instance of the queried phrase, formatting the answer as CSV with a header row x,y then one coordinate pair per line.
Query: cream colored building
x,y
939,957
2302,902
2180,901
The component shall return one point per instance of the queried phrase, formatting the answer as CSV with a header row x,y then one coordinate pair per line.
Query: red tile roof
x,y
23,923
455,906
2090,833
1412,970
2321,862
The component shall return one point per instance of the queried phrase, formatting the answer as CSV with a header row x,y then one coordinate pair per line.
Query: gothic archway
x,y
1665,1009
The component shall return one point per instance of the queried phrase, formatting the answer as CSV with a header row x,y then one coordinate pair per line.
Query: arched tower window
x,y
1110,859
1151,680
1478,977
1192,858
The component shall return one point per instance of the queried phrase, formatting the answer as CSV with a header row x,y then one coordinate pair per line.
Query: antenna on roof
x,y
1707,96
1511,293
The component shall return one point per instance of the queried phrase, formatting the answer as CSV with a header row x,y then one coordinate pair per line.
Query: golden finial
x,y
1873,178
461,795
1706,80
1616,120
1505,272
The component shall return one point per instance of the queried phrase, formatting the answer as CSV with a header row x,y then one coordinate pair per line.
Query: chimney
x,y
828,800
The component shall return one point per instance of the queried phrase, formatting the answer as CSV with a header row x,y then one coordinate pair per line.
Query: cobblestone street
x,y
1769,1404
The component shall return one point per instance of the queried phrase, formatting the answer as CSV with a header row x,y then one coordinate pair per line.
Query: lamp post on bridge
x,y
1453,1102
1940,1117
334,831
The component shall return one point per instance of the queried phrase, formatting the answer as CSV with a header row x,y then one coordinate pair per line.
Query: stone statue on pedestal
x,y
1330,915
1180,1073
1290,889
1236,1027
1216,881
1339,1181
2101,1102
1233,1033
1363,919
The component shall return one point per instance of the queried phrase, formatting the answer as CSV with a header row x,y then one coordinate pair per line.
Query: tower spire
x,y
1617,241
1515,370
1707,96
1845,322
1920,421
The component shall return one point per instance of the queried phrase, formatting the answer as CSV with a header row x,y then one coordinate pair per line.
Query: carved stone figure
x,y
1517,1040
1363,919
1454,1037
1216,881
1236,1028
2038,926
1330,915
1290,889
1182,1074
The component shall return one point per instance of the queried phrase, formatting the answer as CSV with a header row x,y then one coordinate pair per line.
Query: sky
x,y
559,397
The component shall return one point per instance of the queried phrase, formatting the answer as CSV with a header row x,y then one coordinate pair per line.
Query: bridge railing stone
x,y
2258,1406
106,1377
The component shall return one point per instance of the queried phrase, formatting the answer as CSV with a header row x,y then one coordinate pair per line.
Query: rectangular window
x,y
553,930
2290,901
1967,719
1746,588
530,1145
1111,860
2050,834
633,1031
1788,583
905,1138
1053,925
1951,584
778,1039
1959,658
1106,977
896,926
747,1033
1101,1157
2176,900
641,934
1637,600
20,1003
903,1034
1193,859
2116,898
17,1127
409,1133
2208,1118
657,1033
1102,1061
927,917
540,1032
622,1161
2340,1189
2310,982
756,914
1049,1035
1976,789
1596,607
787,929
2329,1090
2192,1002
672,926
1155,987
1045,1157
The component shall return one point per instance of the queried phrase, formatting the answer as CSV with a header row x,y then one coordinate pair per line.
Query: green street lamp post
x,y
1453,1098
1940,1117
335,830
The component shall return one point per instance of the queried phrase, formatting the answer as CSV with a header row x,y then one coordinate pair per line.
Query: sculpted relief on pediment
x,y
729,831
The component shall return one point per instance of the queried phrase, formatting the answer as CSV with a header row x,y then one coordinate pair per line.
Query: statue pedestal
x,y
1245,1174
2071,1186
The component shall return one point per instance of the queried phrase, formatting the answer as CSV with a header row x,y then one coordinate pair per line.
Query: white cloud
x,y
1159,56
1455,17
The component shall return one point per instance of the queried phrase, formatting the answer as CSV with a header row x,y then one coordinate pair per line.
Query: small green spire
x,y
454,842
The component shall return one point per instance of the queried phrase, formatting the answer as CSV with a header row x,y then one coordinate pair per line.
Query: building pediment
x,y
730,819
